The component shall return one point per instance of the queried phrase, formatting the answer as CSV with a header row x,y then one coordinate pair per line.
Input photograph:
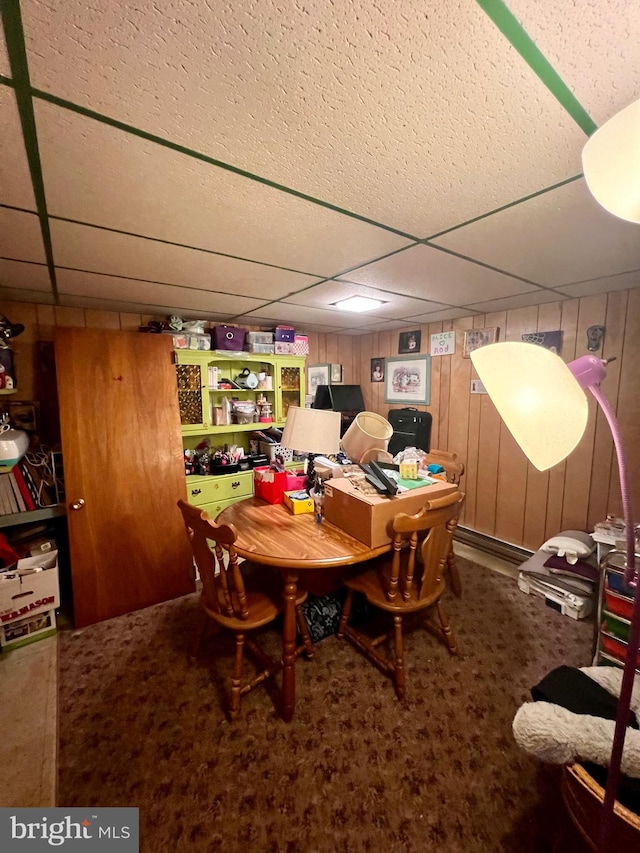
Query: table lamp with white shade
x,y
312,431
542,401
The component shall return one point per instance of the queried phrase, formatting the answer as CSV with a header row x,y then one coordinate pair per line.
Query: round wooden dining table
x,y
271,535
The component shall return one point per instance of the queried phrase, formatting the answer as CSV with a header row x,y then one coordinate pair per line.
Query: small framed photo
x,y
407,379
24,416
409,342
319,374
476,338
377,370
336,373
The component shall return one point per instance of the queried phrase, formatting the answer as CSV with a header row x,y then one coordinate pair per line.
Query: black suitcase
x,y
411,428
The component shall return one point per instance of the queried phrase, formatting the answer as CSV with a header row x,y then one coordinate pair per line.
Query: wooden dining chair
x,y
454,469
399,584
239,597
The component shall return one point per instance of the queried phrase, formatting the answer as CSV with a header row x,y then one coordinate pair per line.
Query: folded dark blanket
x,y
574,690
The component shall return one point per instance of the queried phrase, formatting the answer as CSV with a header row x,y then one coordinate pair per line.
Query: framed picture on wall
x,y
409,342
407,380
319,374
336,373
377,369
548,340
476,338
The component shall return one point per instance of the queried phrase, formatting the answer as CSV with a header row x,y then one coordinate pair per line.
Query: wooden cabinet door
x,y
123,462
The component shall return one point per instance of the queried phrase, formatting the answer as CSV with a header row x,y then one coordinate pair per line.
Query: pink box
x,y
301,345
271,485
283,348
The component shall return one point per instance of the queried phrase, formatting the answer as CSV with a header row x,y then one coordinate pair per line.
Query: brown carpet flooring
x,y
355,771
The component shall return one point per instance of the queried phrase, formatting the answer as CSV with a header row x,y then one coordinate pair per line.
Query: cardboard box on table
x,y
368,518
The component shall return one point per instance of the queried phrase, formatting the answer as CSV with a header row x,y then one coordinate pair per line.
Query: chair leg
x,y
304,632
344,616
236,678
398,675
446,628
454,575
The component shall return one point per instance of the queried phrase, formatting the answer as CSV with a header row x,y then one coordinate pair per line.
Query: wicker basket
x,y
584,797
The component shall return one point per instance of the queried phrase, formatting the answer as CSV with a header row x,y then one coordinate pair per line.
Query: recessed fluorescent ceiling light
x,y
358,303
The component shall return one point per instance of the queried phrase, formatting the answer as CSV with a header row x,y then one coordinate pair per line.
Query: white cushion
x,y
570,544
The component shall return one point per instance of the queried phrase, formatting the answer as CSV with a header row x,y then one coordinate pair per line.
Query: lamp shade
x,y
312,430
611,164
537,396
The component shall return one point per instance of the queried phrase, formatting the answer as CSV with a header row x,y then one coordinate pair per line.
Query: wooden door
x,y
123,463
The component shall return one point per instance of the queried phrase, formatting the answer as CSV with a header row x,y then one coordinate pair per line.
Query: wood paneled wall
x,y
507,498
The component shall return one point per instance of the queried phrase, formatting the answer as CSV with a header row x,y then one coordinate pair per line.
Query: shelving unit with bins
x,y
198,401
615,601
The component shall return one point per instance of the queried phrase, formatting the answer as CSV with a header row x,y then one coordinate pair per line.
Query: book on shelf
x,y
22,507
24,489
8,503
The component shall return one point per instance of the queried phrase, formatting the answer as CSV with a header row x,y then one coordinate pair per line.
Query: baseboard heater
x,y
495,547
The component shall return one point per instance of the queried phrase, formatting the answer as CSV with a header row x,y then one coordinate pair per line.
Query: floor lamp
x,y
542,401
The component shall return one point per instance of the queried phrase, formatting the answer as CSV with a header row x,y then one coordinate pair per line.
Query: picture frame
x,y
24,415
409,342
549,340
476,338
377,369
407,379
318,374
336,373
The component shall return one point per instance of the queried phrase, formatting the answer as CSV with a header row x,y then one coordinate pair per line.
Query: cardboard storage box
x,y
28,630
298,506
369,517
27,594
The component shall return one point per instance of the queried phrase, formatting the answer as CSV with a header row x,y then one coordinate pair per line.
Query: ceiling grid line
x,y
16,49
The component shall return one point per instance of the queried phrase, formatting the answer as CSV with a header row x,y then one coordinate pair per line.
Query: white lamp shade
x,y
611,164
537,396
312,430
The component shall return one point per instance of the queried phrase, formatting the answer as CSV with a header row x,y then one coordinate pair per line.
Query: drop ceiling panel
x,y
447,314
25,276
73,283
92,249
602,285
268,321
395,306
297,314
554,239
15,181
595,50
20,236
419,119
439,276
513,302
97,174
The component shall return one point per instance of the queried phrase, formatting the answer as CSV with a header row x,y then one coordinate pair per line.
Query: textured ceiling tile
x,y
419,117
557,238
73,283
15,181
439,276
97,174
592,44
602,285
23,275
447,314
95,250
326,294
512,302
259,318
12,294
387,326
294,314
20,236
